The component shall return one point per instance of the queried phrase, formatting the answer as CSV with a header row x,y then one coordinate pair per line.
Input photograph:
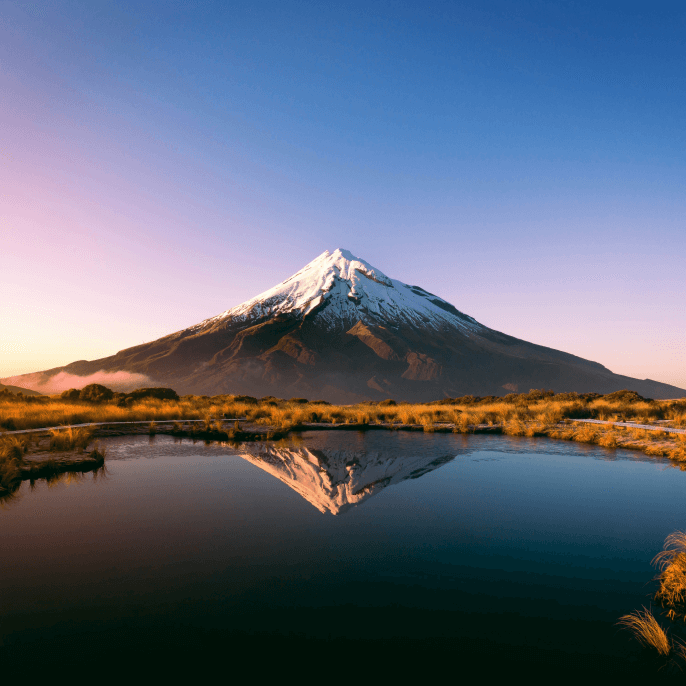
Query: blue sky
x,y
164,161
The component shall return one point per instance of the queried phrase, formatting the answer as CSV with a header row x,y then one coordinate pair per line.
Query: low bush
x,y
95,393
157,393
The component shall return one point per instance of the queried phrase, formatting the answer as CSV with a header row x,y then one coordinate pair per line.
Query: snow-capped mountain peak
x,y
339,288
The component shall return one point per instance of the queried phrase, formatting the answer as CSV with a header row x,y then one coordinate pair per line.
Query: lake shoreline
x,y
40,460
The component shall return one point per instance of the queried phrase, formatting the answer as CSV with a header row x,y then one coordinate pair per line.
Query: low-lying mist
x,y
62,381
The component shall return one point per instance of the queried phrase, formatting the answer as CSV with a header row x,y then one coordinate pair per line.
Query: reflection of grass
x,y
647,631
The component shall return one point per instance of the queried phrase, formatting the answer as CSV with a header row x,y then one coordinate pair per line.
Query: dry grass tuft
x,y
514,427
646,630
671,563
98,453
70,438
13,447
586,433
608,440
12,450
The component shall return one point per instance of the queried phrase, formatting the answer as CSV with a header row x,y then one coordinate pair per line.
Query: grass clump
x,y
647,631
98,454
671,563
664,642
13,447
12,450
70,438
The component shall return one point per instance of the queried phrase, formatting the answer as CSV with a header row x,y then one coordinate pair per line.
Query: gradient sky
x,y
161,162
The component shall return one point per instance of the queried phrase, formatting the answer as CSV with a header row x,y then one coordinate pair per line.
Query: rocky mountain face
x,y
341,330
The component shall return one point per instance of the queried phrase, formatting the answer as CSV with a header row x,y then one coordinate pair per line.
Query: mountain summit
x,y
343,331
339,289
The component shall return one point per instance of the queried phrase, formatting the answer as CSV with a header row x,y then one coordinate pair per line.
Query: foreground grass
x,y
671,563
665,641
647,631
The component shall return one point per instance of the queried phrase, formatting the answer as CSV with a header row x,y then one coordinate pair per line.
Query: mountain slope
x,y
343,331
17,389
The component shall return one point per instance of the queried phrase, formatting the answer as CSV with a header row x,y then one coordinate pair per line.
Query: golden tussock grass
x,y
671,596
13,447
647,630
533,414
70,438
586,433
12,450
671,563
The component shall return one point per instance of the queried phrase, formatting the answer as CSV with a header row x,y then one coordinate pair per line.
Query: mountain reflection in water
x,y
336,480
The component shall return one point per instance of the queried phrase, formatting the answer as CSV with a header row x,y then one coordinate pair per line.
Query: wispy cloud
x,y
41,382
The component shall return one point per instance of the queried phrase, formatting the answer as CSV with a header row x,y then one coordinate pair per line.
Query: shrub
x,y
95,393
71,395
626,396
157,393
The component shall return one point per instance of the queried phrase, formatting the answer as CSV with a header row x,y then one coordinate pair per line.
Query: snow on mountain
x,y
341,288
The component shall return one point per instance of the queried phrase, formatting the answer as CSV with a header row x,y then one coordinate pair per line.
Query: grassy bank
x,y
49,457
538,413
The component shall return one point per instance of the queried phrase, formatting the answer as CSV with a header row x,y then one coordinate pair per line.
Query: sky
x,y
161,162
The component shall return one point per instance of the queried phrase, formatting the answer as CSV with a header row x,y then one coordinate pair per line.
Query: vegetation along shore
x,y
663,637
50,421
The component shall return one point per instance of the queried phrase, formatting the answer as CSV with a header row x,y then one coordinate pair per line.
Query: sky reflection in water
x,y
213,536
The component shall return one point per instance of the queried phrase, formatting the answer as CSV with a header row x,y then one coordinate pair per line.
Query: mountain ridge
x,y
341,330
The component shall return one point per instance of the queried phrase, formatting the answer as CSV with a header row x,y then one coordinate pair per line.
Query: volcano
x,y
341,330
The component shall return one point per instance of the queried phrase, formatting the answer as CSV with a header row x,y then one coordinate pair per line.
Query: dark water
x,y
371,549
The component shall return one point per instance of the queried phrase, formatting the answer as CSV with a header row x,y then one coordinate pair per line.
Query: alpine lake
x,y
351,552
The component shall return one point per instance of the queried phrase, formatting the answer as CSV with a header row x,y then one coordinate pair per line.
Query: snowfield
x,y
340,288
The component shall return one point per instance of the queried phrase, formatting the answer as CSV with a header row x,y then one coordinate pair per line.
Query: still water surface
x,y
480,547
